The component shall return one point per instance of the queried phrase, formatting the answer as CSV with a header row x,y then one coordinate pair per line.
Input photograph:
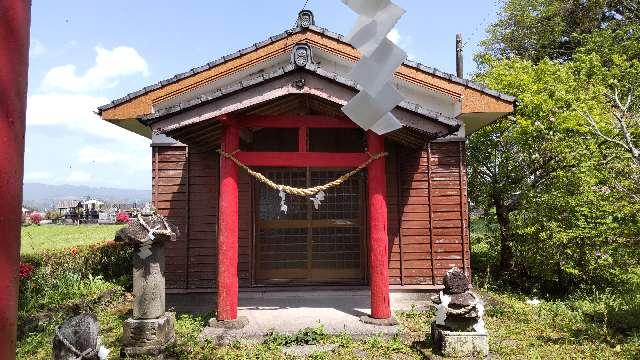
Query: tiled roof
x,y
280,36
313,68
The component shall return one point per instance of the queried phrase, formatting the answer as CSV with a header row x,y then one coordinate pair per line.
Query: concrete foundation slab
x,y
288,312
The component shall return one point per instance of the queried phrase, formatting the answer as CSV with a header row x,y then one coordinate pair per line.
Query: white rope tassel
x,y
371,108
283,205
318,199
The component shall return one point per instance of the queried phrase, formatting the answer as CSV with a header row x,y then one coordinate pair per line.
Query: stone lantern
x,y
150,329
458,330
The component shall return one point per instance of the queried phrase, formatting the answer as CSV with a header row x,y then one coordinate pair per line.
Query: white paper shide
x,y
371,108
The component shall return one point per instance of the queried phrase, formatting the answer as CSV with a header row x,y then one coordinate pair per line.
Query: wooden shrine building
x,y
276,107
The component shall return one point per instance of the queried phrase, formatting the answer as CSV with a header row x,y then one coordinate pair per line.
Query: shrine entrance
x,y
306,245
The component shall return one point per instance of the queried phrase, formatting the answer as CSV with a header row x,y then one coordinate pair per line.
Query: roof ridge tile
x,y
282,35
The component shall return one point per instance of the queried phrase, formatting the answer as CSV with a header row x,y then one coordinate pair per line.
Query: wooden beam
x,y
302,160
294,121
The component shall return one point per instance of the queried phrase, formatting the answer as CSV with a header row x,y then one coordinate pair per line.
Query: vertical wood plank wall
x,y
431,203
185,189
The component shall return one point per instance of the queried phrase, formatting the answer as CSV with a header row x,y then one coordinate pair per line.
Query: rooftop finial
x,y
305,19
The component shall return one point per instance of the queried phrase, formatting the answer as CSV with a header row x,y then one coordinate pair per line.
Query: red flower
x,y
35,218
74,251
111,242
25,270
122,217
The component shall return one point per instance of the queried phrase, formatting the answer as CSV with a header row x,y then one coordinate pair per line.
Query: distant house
x,y
130,209
26,213
91,210
70,209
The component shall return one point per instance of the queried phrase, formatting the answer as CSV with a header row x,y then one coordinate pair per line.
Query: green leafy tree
x,y
613,57
552,29
513,159
559,173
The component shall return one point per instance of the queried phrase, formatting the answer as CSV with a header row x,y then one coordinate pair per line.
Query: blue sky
x,y
86,53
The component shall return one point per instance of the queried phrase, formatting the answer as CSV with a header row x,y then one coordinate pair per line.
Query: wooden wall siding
x,y
395,249
185,190
421,222
245,229
432,198
203,186
170,199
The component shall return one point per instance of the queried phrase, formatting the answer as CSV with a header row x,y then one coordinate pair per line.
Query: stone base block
x,y
148,338
459,344
379,322
236,324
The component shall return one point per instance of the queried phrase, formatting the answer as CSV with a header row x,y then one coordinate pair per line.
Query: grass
x,y
36,239
551,330
579,326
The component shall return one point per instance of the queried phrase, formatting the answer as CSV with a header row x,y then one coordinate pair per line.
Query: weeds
x,y
307,336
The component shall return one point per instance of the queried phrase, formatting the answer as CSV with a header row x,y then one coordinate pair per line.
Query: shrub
x,y
35,218
122,217
57,278
53,215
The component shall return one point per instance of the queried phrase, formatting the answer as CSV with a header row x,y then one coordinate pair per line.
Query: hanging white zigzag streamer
x,y
371,108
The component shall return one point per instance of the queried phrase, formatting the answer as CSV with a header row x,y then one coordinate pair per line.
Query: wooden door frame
x,y
364,249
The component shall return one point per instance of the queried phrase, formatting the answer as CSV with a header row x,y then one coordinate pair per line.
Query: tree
x,y
559,194
553,29
513,159
615,56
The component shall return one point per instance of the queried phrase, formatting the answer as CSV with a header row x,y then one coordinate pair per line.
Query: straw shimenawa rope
x,y
300,191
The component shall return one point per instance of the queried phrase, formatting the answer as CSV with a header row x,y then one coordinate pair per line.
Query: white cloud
x,y
402,41
76,112
37,176
394,36
36,48
110,66
63,110
77,176
103,155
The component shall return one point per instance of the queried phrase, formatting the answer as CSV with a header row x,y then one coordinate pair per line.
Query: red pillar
x,y
378,238
228,229
14,55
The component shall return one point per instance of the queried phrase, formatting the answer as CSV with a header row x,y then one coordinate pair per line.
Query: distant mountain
x,y
41,196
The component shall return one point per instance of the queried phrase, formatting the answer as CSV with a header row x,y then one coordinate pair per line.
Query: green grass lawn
x,y
50,237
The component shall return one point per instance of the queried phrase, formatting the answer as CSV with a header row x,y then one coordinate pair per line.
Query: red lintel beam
x,y
15,17
293,121
299,159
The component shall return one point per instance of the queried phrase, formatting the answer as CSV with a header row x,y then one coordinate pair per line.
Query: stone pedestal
x,y
148,337
459,344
